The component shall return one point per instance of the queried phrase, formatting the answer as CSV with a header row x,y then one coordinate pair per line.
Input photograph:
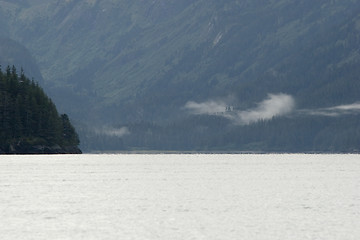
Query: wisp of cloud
x,y
208,107
333,111
114,132
274,105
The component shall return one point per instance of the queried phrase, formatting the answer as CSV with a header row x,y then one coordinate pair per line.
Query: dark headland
x,y
29,120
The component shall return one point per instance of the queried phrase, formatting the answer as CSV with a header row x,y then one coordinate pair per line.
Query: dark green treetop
x,y
29,119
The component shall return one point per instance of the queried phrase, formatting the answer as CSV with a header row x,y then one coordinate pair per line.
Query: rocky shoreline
x,y
41,149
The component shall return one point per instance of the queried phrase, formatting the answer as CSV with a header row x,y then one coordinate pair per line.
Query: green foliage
x,y
214,133
28,117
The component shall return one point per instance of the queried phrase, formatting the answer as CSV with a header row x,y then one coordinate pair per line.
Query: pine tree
x,y
29,118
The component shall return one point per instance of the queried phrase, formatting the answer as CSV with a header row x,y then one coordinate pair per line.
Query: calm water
x,y
180,197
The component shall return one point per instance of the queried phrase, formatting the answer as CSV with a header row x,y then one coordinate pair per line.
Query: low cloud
x,y
209,107
113,132
333,111
275,105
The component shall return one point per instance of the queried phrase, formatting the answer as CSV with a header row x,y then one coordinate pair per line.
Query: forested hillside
x,y
149,74
29,121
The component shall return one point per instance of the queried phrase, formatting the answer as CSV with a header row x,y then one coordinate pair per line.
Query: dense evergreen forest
x,y
294,133
29,121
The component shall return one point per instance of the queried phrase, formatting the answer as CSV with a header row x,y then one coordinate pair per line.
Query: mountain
x,y
13,53
121,63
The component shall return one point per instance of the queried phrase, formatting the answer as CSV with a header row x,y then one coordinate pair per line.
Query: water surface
x,y
180,197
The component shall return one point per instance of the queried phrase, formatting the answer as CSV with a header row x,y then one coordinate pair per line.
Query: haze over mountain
x,y
172,63
13,53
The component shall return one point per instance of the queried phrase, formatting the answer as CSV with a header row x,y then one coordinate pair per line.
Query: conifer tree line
x,y
29,118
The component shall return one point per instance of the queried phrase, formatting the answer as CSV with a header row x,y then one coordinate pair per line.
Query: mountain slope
x,y
120,53
115,62
13,53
